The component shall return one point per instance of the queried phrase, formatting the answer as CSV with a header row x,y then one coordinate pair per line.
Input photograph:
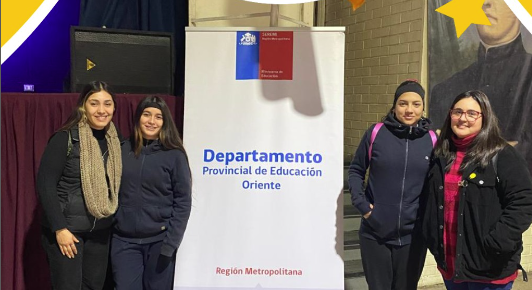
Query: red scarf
x,y
463,143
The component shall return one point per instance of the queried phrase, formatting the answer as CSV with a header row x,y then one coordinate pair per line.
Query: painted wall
x,y
44,58
220,8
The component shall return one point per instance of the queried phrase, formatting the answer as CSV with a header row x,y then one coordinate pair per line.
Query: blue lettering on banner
x,y
226,163
227,158
246,184
208,155
247,55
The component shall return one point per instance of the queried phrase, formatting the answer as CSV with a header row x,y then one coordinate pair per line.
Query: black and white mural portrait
x,y
495,59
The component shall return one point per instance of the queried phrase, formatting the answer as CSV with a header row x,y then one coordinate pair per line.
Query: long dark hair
x,y
168,136
78,113
485,145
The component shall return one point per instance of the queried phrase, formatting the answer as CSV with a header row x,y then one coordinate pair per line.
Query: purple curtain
x,y
28,121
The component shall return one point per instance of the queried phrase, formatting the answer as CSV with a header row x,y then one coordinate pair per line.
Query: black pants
x,y
141,266
389,267
87,270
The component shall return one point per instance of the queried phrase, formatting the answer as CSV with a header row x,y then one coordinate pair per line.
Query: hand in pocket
x,y
369,212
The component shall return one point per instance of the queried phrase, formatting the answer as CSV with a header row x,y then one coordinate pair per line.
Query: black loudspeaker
x,y
129,61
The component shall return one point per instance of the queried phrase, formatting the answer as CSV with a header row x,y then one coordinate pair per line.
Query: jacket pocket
x,y
65,201
384,220
165,212
475,260
75,205
126,220
482,196
153,220
506,250
483,262
482,190
76,214
409,218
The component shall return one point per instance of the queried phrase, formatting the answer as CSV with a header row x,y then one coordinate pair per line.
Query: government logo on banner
x,y
264,55
248,39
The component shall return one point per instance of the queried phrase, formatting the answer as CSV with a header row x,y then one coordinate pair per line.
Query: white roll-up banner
x,y
263,129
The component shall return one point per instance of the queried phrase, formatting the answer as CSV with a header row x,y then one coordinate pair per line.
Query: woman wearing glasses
x,y
479,199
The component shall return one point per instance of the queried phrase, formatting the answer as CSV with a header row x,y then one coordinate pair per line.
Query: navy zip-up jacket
x,y
399,164
155,196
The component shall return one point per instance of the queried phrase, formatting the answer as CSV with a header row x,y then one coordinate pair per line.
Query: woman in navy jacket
x,y
154,201
479,194
391,246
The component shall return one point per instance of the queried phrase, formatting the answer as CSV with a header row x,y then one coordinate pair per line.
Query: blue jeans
x,y
450,285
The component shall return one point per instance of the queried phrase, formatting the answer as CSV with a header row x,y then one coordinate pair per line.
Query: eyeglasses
x,y
471,115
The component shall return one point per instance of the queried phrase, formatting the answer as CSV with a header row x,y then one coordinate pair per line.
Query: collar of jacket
x,y
441,163
403,131
152,147
501,52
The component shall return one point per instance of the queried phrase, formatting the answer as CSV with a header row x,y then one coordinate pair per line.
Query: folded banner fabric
x,y
263,129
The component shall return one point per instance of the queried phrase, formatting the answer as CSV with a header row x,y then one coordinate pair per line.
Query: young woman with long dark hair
x,y
78,183
154,201
479,199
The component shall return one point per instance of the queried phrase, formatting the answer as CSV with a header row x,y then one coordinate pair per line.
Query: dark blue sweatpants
x,y
141,266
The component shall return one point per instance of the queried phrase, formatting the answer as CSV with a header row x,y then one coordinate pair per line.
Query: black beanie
x,y
408,86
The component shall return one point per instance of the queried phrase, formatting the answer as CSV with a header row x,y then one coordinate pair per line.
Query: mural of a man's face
x,y
504,24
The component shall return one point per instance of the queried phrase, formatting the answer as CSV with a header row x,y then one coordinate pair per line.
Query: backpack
x,y
378,126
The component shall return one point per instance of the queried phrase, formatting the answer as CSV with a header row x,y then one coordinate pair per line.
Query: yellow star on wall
x,y
465,13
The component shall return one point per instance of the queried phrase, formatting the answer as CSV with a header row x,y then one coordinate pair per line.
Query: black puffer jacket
x,y
59,185
399,164
492,216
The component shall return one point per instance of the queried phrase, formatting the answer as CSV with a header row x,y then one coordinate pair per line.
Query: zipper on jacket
x,y
403,191
139,187
140,173
93,225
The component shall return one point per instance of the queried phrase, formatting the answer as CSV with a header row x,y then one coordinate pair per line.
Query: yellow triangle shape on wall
x,y
90,64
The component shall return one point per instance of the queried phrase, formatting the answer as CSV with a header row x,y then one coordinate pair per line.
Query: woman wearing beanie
x,y
398,152
78,182
155,201
479,200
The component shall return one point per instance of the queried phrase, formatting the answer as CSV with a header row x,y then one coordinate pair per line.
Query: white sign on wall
x,y
263,129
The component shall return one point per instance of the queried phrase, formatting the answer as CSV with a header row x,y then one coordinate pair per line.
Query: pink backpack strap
x,y
433,137
373,136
